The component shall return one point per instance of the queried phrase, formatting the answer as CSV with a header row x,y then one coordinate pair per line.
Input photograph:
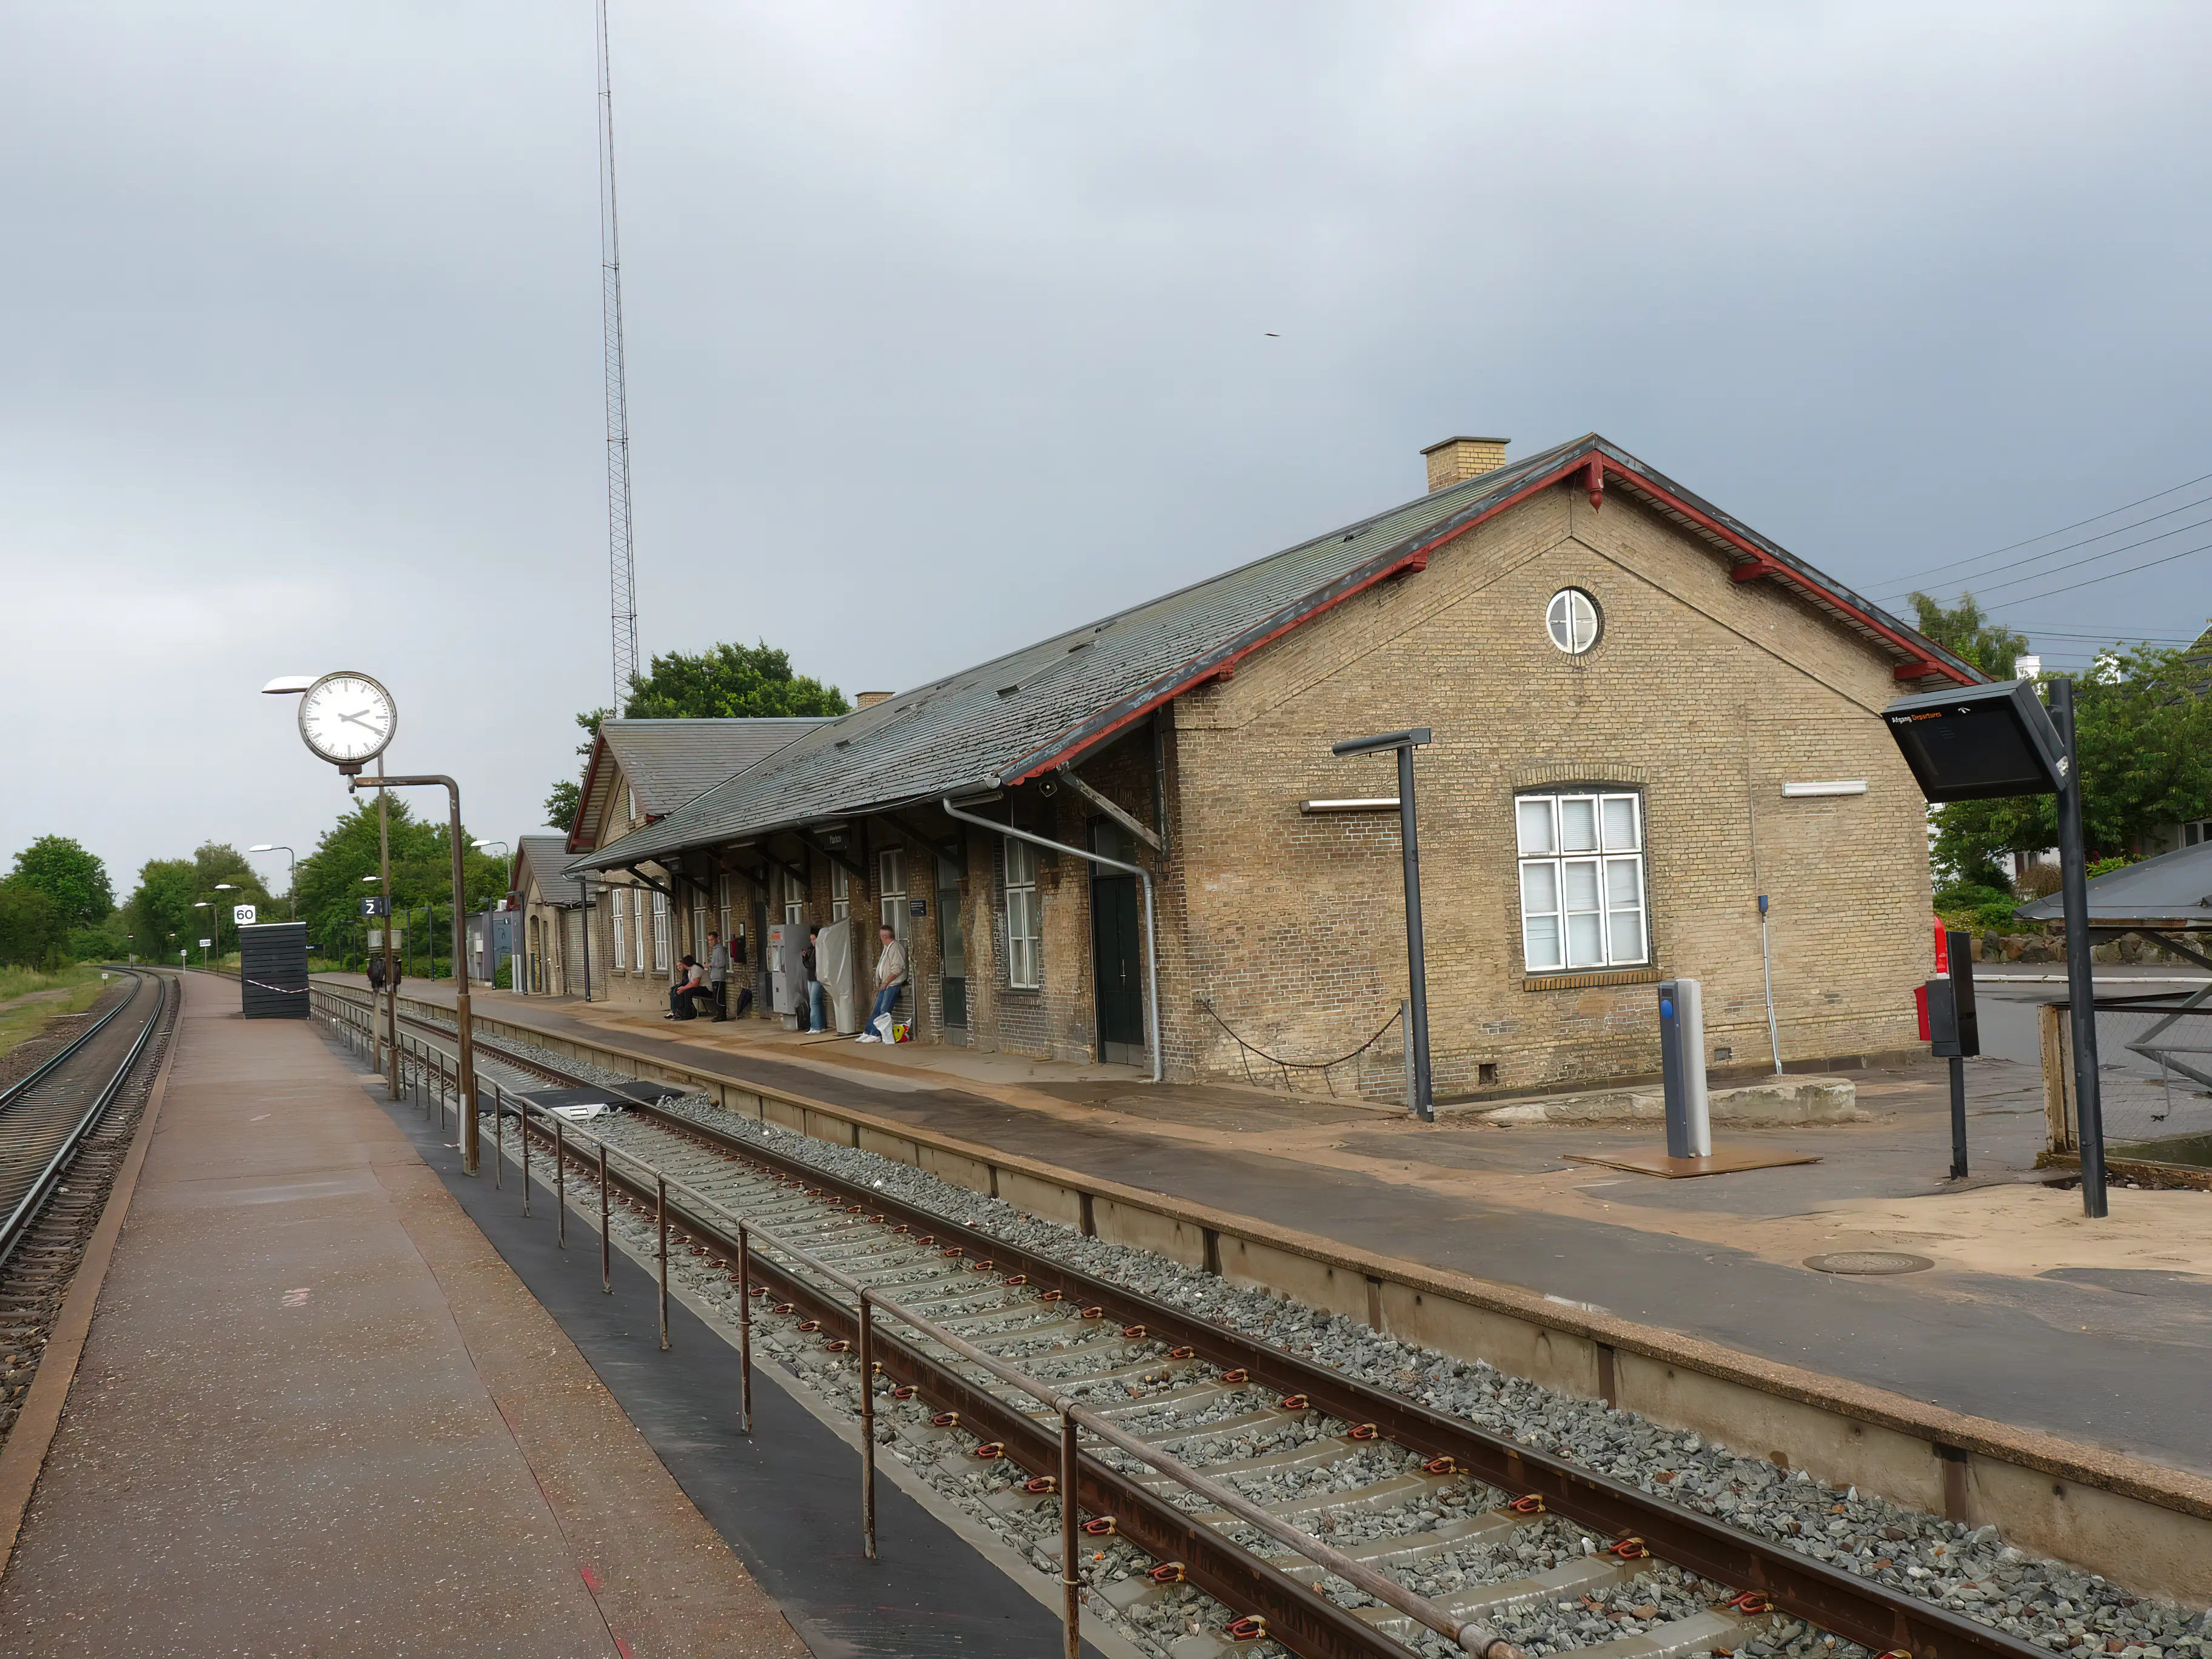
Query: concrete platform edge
x,y
23,1459
2136,1521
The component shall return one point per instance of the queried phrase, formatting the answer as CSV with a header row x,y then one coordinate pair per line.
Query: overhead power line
x,y
1958,564
2148,564
2083,563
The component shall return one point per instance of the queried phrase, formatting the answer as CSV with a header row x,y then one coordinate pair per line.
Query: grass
x,y
20,1021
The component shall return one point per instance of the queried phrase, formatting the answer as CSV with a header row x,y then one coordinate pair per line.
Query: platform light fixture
x,y
292,881
1417,1080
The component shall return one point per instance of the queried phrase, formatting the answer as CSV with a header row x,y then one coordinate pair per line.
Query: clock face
x,y
347,717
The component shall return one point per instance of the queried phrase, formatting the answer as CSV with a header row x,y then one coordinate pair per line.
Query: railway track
x,y
1476,1533
64,1128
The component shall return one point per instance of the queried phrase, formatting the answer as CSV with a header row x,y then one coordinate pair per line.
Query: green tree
x,y
162,915
75,879
1964,631
724,682
2143,730
32,930
331,885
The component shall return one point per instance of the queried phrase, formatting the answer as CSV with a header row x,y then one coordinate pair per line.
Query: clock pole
x,y
391,985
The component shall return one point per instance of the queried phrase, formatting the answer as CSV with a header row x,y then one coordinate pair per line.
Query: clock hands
x,y
357,720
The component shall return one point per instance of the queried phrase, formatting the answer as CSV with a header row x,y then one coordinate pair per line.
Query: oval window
x,y
1572,620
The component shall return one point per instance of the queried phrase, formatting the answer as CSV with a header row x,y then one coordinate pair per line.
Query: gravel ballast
x,y
1970,1572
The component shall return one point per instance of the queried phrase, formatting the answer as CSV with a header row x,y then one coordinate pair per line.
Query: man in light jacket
x,y
890,978
718,974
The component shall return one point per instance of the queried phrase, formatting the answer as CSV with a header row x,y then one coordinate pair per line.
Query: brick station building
x,y
1646,715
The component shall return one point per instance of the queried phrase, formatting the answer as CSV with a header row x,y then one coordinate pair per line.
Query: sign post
x,y
1982,743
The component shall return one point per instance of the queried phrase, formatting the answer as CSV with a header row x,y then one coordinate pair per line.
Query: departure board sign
x,y
1978,742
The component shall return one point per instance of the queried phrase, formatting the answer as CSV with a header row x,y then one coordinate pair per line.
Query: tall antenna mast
x,y
621,562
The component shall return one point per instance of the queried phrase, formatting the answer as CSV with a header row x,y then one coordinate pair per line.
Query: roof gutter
x,y
1143,876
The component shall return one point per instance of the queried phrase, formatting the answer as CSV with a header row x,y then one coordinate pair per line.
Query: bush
x,y
503,977
1970,904
2040,881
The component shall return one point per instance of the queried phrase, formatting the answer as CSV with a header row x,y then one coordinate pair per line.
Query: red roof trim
x,y
584,796
1769,565
1413,559
1589,467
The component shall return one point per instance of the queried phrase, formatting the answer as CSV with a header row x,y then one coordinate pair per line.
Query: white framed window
x,y
890,873
637,929
795,900
722,908
1582,881
699,932
660,932
840,892
621,932
1573,621
1025,922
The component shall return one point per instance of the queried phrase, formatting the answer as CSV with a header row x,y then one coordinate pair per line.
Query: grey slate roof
x,y
669,762
2172,891
544,857
1005,721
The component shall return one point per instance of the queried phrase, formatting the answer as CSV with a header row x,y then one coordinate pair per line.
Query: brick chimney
x,y
870,699
1456,459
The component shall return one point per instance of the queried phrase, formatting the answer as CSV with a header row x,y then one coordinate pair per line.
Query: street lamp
x,y
292,881
207,905
1409,847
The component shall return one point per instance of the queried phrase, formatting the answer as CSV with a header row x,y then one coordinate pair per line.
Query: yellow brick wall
x,y
1705,693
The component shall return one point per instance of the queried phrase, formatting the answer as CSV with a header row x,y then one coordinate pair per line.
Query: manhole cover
x,y
1868,1262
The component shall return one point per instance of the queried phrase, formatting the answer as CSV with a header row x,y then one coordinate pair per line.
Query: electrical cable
x,y
2125,547
2092,581
1976,558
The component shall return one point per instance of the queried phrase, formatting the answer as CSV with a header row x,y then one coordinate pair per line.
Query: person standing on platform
x,y
816,1017
890,979
718,974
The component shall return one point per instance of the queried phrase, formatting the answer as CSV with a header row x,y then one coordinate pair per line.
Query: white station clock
x,y
347,718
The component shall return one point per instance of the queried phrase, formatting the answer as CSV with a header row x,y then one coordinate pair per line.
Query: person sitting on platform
x,y
890,979
684,997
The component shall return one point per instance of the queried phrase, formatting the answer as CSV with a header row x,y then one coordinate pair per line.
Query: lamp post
x,y
207,905
1409,847
291,881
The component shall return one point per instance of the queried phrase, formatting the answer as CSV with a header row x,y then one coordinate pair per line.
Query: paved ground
x,y
316,1412
2101,1331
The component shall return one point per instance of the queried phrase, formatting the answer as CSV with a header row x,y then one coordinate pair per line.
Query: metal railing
x,y
612,1163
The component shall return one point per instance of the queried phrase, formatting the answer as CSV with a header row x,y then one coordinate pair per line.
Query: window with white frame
x,y
722,909
637,929
795,900
660,932
699,933
1025,922
840,892
621,932
1582,881
890,872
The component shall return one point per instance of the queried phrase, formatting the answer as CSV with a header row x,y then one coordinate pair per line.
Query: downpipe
x,y
1143,879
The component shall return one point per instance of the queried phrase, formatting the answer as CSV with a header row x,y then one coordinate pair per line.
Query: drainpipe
x,y
1145,879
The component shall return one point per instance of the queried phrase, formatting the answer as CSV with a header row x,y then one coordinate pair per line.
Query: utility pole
x,y
622,564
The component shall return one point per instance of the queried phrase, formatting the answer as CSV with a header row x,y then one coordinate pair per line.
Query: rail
x,y
26,1209
1887,1621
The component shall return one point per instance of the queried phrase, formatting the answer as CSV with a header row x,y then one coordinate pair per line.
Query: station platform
x,y
316,1412
2100,1332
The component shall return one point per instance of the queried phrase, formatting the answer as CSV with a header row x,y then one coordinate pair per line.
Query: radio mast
x,y
621,563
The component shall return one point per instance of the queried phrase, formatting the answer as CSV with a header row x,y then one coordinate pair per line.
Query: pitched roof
x,y
668,761
2172,892
543,857
1009,720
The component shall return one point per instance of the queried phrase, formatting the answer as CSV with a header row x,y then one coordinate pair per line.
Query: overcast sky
x,y
951,326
